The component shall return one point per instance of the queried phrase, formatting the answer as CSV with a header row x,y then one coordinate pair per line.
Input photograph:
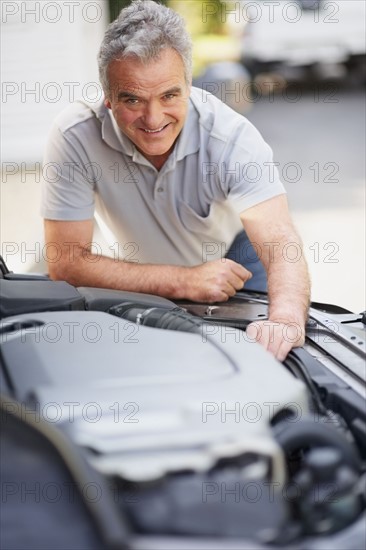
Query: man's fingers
x,y
283,350
214,296
255,333
217,281
277,338
227,291
279,346
236,282
240,271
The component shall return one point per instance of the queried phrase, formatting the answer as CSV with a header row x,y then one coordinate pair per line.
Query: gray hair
x,y
143,29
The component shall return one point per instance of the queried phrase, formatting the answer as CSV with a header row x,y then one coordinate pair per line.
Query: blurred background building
x,y
296,69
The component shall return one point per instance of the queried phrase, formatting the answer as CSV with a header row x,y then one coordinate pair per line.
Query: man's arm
x,y
213,281
270,229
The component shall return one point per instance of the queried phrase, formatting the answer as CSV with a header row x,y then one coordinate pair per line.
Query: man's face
x,y
149,102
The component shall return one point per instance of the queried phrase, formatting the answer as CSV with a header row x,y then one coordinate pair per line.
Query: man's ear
x,y
107,103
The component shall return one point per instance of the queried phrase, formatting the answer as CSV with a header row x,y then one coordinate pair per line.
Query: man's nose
x,y
153,116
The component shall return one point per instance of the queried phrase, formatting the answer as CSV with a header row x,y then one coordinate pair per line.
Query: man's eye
x,y
130,101
169,96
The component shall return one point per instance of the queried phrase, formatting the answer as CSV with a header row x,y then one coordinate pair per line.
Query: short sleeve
x,y
67,178
249,174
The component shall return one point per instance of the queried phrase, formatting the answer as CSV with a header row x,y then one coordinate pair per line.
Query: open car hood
x,y
201,437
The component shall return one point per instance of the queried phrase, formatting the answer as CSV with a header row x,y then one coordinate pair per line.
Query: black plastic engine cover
x,y
19,296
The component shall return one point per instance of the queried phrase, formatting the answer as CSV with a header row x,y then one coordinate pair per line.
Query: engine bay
x,y
204,438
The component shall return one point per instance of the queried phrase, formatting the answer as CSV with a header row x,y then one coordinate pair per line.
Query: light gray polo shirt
x,y
184,214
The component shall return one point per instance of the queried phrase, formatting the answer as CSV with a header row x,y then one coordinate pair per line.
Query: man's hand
x,y
276,336
215,281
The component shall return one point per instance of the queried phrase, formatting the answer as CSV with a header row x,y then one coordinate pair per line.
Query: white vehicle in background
x,y
327,37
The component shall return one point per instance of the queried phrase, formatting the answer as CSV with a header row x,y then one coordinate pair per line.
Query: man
x,y
175,175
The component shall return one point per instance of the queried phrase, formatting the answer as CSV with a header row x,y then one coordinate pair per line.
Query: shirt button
x,y
160,189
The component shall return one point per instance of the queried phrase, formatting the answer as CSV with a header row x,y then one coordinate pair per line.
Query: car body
x,y
203,438
316,34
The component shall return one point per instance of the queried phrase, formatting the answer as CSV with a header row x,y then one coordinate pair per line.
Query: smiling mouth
x,y
157,131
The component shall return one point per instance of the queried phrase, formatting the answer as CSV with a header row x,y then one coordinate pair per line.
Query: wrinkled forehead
x,y
140,78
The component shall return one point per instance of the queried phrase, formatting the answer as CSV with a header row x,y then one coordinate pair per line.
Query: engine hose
x,y
175,319
168,319
296,435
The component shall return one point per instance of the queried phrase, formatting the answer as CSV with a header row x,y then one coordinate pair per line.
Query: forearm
x,y
288,281
209,282
87,269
